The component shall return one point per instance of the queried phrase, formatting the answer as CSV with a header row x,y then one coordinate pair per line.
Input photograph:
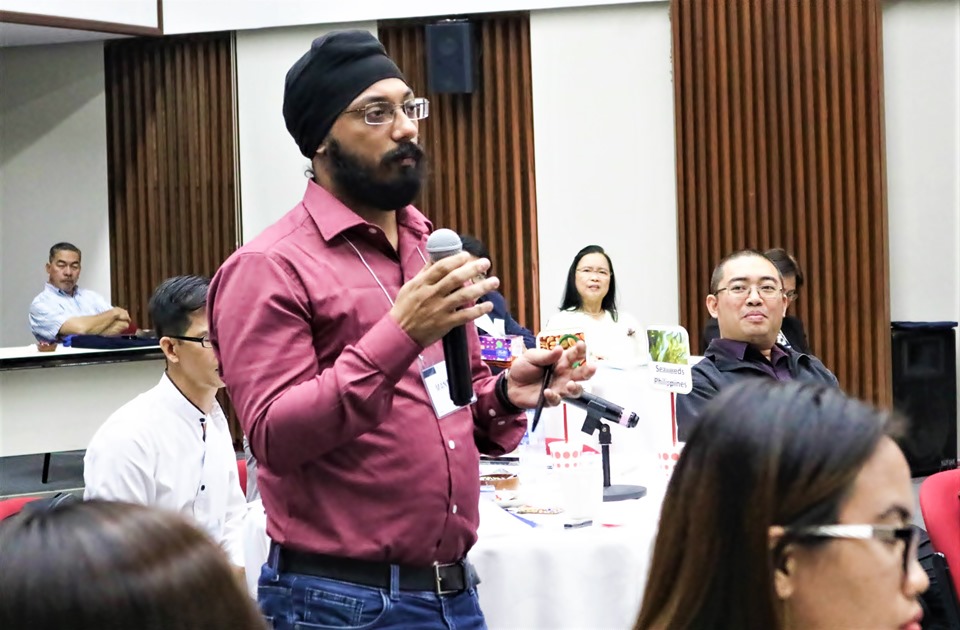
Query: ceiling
x,y
27,35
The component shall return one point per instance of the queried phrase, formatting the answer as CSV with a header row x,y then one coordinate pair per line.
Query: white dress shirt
x,y
152,451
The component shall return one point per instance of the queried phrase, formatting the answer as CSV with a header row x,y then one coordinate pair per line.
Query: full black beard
x,y
364,184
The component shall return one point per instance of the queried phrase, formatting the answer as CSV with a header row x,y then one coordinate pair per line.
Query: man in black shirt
x,y
747,299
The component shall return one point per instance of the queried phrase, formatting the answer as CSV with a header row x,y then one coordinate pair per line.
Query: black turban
x,y
325,80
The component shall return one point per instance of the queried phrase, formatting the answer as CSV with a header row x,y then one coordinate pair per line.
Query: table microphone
x,y
604,409
442,244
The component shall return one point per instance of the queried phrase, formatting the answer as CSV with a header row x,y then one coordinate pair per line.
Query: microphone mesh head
x,y
442,243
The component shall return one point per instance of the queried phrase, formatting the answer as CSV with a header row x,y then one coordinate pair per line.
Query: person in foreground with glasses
x,y
789,509
170,446
792,333
747,298
590,304
102,565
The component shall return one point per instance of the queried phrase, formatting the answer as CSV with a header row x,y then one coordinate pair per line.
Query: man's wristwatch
x,y
501,391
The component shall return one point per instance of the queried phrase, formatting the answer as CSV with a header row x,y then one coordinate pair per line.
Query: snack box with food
x,y
565,338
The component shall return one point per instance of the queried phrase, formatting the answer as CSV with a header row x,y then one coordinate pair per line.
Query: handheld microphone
x,y
442,244
604,409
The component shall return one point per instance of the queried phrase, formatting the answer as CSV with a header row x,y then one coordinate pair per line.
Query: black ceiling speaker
x,y
451,57
925,389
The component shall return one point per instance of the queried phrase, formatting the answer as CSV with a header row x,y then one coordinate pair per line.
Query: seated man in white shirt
x,y
170,446
63,308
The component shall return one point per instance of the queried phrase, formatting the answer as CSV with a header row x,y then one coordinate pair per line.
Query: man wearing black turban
x,y
328,327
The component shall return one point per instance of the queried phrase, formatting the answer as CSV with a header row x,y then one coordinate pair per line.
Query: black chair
x,y
948,596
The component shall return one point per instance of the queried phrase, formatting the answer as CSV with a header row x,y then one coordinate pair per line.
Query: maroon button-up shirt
x,y
352,459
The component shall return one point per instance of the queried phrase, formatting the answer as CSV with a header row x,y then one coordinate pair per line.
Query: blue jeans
x,y
292,601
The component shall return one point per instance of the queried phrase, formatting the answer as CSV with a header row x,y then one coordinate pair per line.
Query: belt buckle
x,y
438,579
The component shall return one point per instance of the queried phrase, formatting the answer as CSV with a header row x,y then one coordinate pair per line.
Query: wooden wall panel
x,y
171,164
779,114
481,153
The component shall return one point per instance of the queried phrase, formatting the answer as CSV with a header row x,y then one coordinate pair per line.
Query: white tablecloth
x,y
545,576
548,577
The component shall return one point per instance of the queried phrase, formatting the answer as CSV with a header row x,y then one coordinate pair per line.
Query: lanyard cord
x,y
370,269
383,288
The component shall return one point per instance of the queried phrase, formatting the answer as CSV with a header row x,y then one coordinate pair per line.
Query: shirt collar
x,y
738,350
177,402
60,292
333,218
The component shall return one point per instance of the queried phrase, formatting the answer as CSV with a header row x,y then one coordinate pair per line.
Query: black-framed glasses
x,y
742,289
203,341
383,113
890,534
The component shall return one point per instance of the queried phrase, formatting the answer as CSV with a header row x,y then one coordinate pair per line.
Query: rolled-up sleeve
x,y
260,324
46,319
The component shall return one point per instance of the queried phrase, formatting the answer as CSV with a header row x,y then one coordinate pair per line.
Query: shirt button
x,y
492,413
501,423
452,444
203,487
454,508
373,230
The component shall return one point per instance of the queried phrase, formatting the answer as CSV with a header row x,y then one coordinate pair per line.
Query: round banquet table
x,y
549,577
544,576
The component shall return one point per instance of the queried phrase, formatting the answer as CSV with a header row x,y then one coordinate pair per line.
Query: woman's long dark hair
x,y
572,300
762,454
97,564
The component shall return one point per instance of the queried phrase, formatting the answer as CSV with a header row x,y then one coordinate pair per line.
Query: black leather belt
x,y
443,579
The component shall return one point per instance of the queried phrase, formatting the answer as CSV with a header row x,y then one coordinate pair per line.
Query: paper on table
x,y
495,521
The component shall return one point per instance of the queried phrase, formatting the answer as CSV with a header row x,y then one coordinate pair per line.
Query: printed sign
x,y
669,358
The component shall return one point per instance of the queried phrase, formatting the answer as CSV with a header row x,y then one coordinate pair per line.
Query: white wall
x,y
53,172
921,46
190,16
271,167
921,76
603,122
136,12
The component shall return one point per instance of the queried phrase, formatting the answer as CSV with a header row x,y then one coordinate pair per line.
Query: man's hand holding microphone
x,y
442,297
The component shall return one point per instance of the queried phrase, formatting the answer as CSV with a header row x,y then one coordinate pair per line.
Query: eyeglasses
x,y
203,341
792,294
383,113
890,534
589,271
740,289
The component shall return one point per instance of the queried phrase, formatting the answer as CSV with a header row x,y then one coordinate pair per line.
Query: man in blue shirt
x,y
63,308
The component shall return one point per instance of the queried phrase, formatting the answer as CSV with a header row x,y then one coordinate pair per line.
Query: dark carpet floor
x,y
21,474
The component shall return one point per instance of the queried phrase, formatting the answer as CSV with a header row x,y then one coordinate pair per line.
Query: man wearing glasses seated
x,y
748,300
792,333
171,446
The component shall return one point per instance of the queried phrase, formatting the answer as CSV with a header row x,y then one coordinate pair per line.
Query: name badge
x,y
438,388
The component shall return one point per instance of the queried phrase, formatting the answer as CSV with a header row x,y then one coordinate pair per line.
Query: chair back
x,y
242,473
948,595
9,507
940,506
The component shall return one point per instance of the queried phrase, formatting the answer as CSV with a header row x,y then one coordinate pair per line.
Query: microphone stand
x,y
619,492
